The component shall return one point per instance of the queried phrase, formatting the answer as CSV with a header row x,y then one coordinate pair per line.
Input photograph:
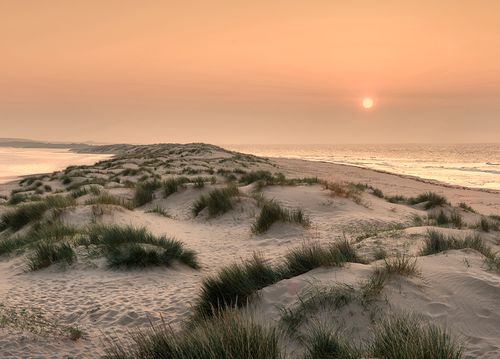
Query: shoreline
x,y
278,159
401,175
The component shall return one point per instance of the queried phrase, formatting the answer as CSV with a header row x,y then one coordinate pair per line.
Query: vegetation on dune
x,y
54,232
46,254
325,343
144,192
437,242
217,201
236,284
430,199
82,191
136,247
109,199
313,299
272,212
402,265
159,210
309,256
172,185
466,207
233,286
27,213
406,336
229,335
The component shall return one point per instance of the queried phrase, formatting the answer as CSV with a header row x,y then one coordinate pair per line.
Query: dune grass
x,y
371,289
54,232
131,247
82,191
144,192
27,213
312,300
273,212
46,254
431,200
236,284
442,219
229,335
437,242
172,185
160,211
401,265
217,201
325,343
406,336
233,286
312,255
109,199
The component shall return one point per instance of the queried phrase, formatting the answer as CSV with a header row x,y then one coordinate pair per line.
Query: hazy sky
x,y
250,71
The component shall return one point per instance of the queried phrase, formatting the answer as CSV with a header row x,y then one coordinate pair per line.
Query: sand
x,y
454,289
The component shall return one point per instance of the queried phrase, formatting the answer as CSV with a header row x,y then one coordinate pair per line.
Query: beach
x,y
379,214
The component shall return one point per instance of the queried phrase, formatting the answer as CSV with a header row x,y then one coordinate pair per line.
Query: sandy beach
x,y
75,309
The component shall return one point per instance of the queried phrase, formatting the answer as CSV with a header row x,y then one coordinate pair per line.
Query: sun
x,y
367,103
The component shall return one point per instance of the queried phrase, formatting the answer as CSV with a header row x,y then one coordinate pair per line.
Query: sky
x,y
250,72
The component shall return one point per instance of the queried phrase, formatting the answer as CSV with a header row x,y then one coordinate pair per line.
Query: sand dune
x,y
454,289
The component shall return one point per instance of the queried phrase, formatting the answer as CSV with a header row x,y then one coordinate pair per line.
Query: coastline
x,y
114,302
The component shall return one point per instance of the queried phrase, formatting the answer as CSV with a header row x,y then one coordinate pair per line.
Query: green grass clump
x,y
55,232
229,335
159,210
310,256
484,224
31,212
272,212
437,242
405,336
401,265
218,201
324,343
136,247
255,176
431,200
371,289
46,254
17,198
144,192
172,185
82,191
312,300
233,286
466,207
109,199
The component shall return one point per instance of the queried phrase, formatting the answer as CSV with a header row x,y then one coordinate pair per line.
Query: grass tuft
x,y
144,192
431,200
233,286
406,336
437,242
402,265
218,201
323,343
229,335
131,247
272,212
46,254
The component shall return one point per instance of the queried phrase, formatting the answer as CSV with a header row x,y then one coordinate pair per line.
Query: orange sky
x,y
250,71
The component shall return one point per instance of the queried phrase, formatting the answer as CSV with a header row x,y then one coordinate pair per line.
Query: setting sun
x,y
367,103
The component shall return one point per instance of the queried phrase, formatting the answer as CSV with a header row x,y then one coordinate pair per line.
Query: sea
x,y
468,165
17,162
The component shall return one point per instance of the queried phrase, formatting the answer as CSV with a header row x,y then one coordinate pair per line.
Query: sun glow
x,y
367,103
